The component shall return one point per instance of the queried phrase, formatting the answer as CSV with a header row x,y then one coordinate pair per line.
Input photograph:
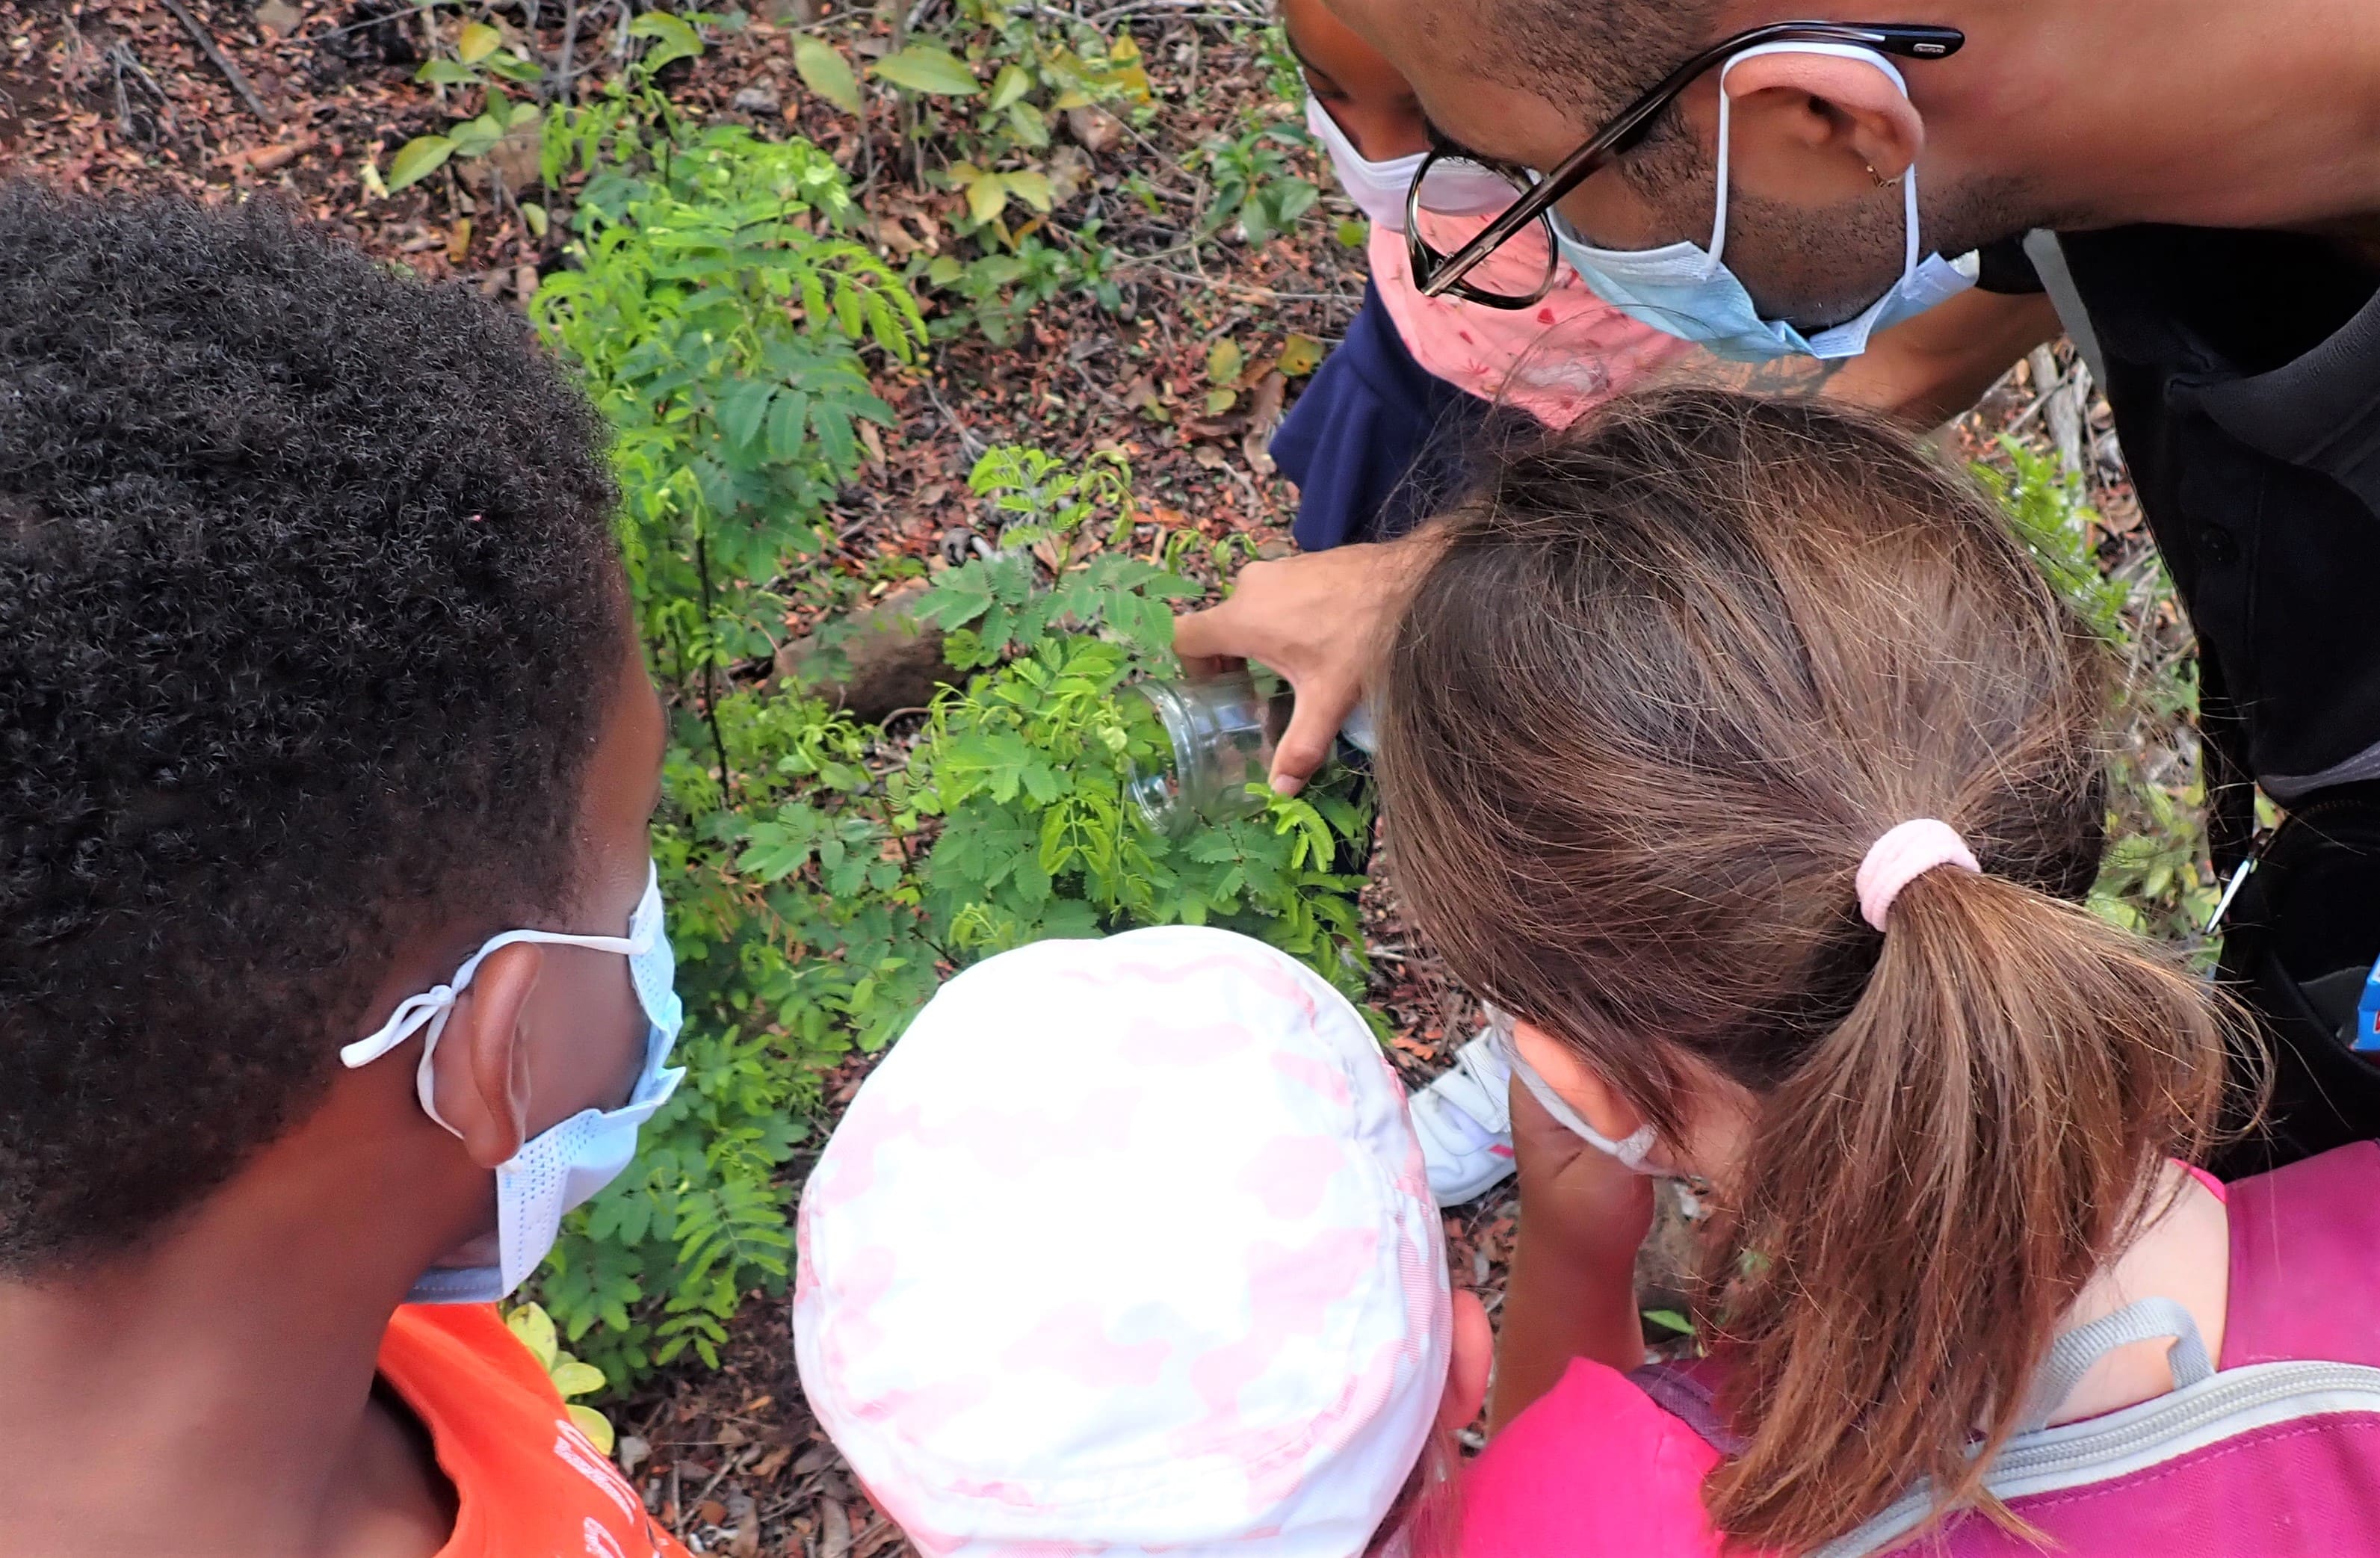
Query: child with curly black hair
x,y
330,962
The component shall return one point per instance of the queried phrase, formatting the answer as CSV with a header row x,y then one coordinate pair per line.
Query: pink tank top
x,y
1555,358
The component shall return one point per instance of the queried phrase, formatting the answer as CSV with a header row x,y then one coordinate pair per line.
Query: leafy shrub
x,y
721,325
979,102
822,876
2154,878
1029,767
1257,191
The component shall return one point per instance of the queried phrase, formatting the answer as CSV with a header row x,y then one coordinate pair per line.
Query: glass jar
x,y
1213,739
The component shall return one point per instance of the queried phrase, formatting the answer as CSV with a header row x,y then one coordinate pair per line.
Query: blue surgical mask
x,y
1687,291
560,1168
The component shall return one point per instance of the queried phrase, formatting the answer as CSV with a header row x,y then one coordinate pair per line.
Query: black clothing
x,y
2243,369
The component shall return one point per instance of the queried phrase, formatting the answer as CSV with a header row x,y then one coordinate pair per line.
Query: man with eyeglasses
x,y
2196,186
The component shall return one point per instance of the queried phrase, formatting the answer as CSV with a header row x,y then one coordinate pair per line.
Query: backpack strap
x,y
1684,1392
2072,1355
2305,1260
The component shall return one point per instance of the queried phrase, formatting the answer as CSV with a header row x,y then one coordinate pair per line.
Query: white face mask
x,y
1379,188
1688,291
560,1168
1632,1153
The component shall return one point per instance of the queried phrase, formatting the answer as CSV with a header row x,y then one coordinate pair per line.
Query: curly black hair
x,y
309,617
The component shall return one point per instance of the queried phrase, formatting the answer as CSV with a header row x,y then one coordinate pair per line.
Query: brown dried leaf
x,y
1094,130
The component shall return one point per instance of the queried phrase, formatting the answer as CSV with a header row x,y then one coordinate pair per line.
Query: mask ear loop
x,y
1718,244
1630,1151
434,1006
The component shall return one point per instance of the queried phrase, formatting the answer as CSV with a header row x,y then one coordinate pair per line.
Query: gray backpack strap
x,y
2057,280
1686,1397
2073,1354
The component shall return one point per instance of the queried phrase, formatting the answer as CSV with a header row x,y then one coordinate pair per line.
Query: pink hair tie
x,y
1903,855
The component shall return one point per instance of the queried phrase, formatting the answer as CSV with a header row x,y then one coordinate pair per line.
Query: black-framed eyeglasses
x,y
1436,274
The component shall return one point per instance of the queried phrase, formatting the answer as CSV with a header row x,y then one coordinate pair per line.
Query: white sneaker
x,y
1464,1120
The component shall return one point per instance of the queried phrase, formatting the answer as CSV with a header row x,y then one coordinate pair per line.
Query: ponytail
x,y
1663,686
1927,1193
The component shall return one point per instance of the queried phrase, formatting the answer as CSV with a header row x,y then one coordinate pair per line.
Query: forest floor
x,y
295,97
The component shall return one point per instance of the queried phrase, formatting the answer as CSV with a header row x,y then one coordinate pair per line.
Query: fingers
x,y
1206,667
1215,635
1321,708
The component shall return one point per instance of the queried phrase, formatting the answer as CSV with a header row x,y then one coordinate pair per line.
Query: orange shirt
x,y
527,1482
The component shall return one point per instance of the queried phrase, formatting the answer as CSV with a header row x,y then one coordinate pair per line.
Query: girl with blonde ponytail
x,y
1736,750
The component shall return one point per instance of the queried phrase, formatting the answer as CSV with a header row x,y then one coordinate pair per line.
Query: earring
x,y
1881,181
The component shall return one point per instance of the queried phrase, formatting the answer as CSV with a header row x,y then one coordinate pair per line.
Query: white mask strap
x,y
1718,244
431,1008
1630,1152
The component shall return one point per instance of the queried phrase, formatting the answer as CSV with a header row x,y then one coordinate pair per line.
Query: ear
x,y
1846,111
1472,1358
480,1068
1597,1101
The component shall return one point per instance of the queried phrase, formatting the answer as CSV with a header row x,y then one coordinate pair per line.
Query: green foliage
x,y
2154,878
571,1377
1256,190
2051,513
821,877
721,332
481,63
982,100
722,327
1028,769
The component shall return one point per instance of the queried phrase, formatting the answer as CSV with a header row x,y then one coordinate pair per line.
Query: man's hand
x,y
1319,619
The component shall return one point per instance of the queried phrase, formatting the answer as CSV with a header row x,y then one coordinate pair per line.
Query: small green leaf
x,y
1012,82
671,38
1352,232
1029,124
825,71
535,1329
594,1425
944,271
1031,187
474,138
417,159
921,68
573,1378
1221,400
445,72
1224,361
534,214
987,196
512,67
1300,355
1670,1320
477,41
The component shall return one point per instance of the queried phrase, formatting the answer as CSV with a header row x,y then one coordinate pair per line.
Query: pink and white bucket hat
x,y
1127,1248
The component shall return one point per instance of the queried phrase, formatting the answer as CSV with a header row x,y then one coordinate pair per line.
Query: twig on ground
x,y
570,47
222,62
1253,294
1182,11
974,446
